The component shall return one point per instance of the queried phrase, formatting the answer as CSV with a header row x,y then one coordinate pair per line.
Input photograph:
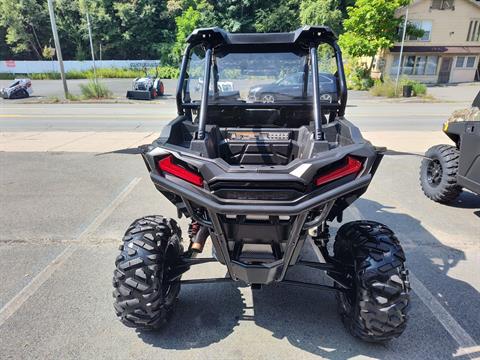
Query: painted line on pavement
x,y
463,339
456,331
18,300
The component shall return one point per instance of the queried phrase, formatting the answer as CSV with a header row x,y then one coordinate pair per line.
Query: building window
x,y
416,65
474,30
425,25
465,62
470,62
443,4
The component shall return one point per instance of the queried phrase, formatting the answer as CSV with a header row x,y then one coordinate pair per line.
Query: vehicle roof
x,y
299,39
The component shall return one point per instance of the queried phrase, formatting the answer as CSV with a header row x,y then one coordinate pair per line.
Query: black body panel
x,y
256,166
467,136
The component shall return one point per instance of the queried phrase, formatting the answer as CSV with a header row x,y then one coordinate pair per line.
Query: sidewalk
x,y
458,93
92,141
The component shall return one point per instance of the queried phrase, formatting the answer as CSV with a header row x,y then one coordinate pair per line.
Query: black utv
x,y
447,169
261,179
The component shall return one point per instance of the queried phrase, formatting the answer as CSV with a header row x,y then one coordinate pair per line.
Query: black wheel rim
x,y
434,173
268,99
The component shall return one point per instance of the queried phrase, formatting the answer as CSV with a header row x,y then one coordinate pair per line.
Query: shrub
x,y
73,97
95,90
45,76
164,72
358,78
387,88
7,76
419,89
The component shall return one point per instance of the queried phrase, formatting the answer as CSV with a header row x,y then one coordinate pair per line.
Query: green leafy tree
x,y
321,12
371,26
198,14
235,15
186,23
277,16
344,4
27,26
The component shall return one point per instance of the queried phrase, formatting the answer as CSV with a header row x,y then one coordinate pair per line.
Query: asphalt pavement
x,y
63,213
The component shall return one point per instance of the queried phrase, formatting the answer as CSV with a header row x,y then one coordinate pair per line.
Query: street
x,y
66,201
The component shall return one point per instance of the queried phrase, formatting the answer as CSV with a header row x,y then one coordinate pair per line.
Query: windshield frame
x,y
216,44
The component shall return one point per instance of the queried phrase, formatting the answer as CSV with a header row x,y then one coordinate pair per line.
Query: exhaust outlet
x,y
198,241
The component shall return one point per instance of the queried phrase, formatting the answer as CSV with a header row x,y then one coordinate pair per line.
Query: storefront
x,y
452,64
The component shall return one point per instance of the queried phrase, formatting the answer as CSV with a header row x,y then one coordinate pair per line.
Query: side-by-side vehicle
x,y
261,179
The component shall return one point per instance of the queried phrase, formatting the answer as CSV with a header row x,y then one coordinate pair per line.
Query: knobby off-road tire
x,y
438,173
144,299
375,309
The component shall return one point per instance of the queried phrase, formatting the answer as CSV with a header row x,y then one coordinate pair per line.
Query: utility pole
x,y
57,47
91,46
400,62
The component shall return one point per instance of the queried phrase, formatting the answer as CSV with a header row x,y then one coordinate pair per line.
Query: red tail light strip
x,y
353,166
166,164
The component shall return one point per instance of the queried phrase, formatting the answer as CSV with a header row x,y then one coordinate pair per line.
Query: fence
x,y
33,67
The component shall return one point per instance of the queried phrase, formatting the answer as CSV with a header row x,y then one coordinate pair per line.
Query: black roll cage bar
x,y
211,38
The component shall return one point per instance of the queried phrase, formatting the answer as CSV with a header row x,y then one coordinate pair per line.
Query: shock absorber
x,y
321,235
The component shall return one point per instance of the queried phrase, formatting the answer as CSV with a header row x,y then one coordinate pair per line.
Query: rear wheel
x,y
268,98
375,308
144,295
438,173
161,88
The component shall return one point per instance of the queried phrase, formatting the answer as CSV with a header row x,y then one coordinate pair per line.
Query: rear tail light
x,y
168,166
350,167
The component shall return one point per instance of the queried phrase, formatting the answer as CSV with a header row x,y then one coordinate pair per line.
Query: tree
x,y
277,16
235,15
196,15
27,26
321,12
371,26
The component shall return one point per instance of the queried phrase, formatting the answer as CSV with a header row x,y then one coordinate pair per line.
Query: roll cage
x,y
304,41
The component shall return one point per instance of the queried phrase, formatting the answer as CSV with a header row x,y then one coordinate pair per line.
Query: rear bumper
x,y
204,199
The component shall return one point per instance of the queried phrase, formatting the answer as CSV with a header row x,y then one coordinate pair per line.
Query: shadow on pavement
x,y
205,314
307,318
304,317
466,200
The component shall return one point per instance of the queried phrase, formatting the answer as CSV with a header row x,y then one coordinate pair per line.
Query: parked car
x,y
291,87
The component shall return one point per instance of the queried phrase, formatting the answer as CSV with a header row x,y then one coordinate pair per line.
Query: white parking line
x,y
459,334
463,339
18,300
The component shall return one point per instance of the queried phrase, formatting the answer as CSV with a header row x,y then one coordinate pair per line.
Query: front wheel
x,y
143,291
438,173
374,309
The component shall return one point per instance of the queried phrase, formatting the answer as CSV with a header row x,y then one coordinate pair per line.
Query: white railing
x,y
33,67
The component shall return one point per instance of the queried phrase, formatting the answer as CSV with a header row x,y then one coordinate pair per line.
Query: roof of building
x,y
475,2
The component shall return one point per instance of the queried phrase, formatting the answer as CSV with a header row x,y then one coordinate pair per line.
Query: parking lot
x,y
66,200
